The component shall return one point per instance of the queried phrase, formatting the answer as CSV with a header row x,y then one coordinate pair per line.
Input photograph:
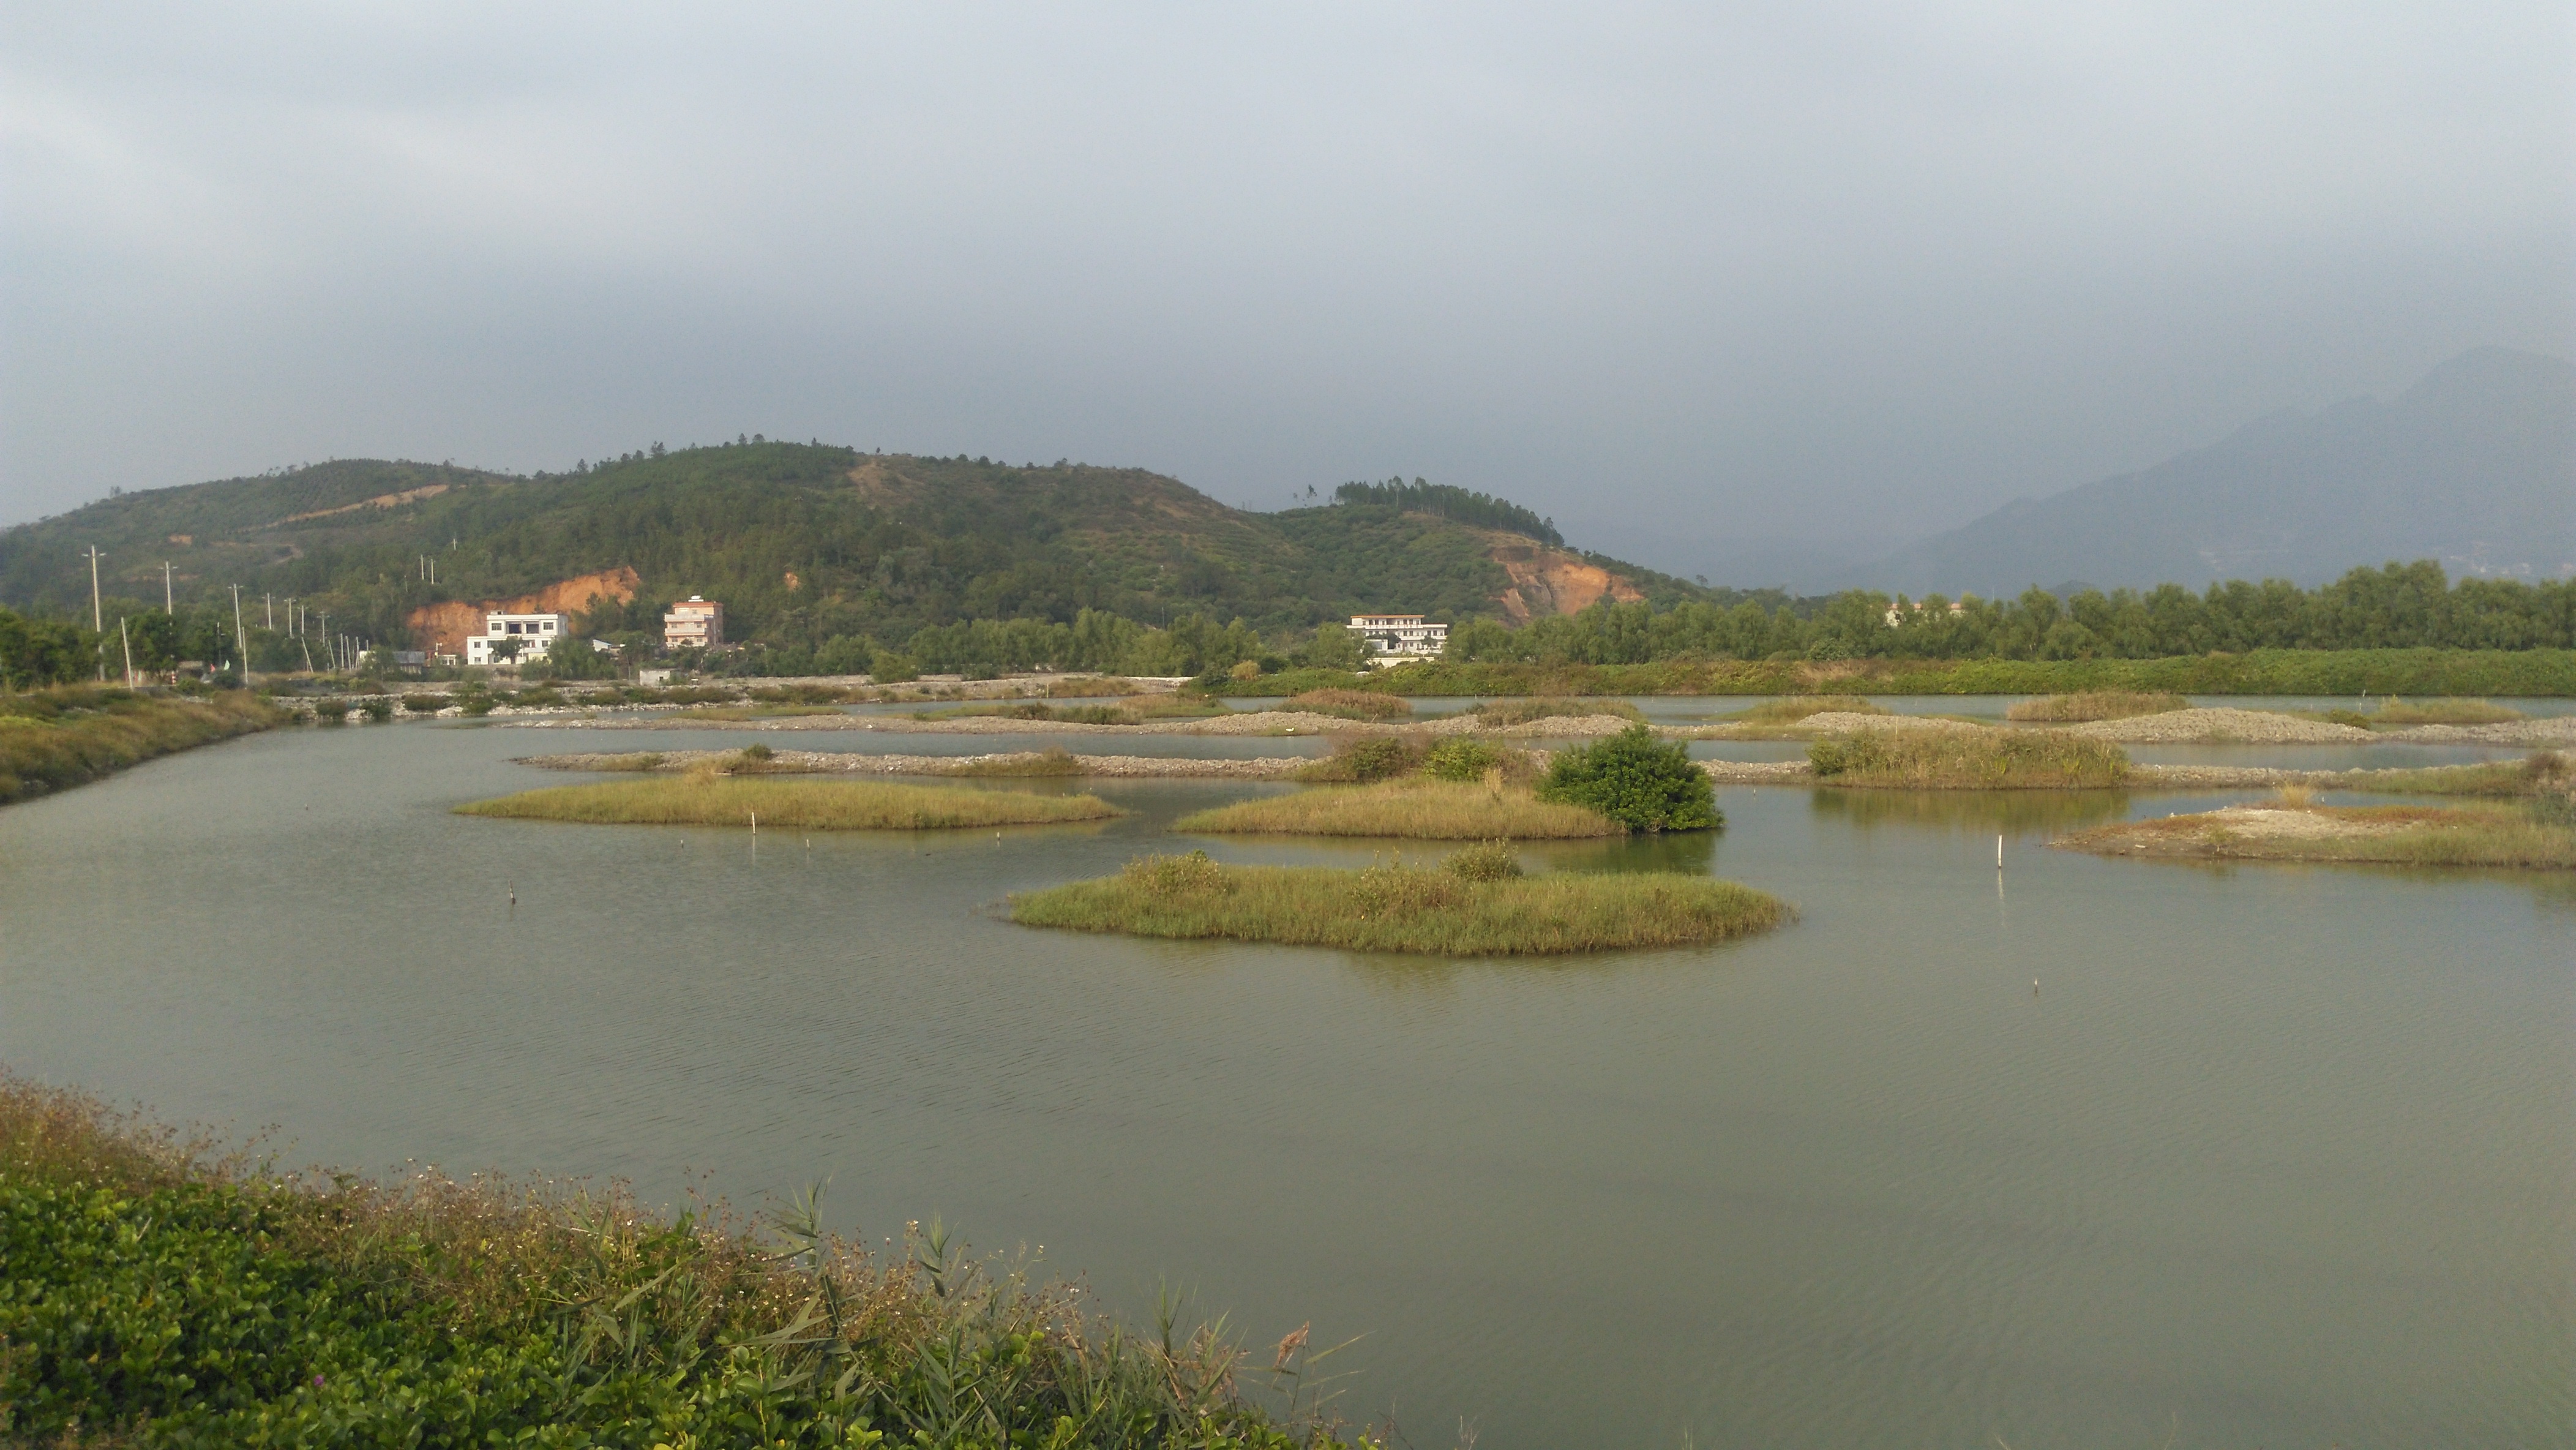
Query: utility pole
x,y
241,637
129,651
166,607
270,601
96,624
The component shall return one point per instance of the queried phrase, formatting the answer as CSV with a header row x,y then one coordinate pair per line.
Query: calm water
x,y
2277,1156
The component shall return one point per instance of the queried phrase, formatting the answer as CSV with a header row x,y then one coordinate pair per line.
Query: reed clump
x,y
704,796
2286,829
1499,713
168,1292
52,739
2094,705
1790,709
1390,907
1413,808
1970,760
2401,713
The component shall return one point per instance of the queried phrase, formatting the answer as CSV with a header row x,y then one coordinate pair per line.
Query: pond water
x,y
2275,1155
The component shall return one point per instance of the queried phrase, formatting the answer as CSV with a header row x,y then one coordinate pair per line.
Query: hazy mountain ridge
x,y
2474,466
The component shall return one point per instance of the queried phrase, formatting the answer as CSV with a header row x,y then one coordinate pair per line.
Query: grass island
x,y
703,798
1413,808
2290,828
1477,904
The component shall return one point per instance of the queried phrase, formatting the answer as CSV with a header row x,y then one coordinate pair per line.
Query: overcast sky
x,y
1825,272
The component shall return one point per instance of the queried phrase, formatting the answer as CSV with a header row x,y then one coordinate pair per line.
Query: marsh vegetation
x,y
59,737
167,1293
1970,759
1415,807
705,797
2291,827
1477,909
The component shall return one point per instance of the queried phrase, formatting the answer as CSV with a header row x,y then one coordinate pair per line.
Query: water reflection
x,y
1694,852
2006,811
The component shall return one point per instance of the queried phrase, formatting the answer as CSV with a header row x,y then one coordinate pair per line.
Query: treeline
x,y
2401,606
1448,501
36,651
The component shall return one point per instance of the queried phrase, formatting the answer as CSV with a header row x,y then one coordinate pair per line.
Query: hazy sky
x,y
1822,271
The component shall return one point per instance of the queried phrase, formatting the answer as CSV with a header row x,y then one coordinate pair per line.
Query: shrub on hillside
x,y
1634,778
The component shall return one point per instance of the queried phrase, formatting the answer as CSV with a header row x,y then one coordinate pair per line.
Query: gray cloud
x,y
1808,272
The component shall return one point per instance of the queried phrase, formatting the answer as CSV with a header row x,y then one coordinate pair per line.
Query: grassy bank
x,y
1969,760
1133,711
2291,829
703,798
2536,774
51,739
159,1298
2536,672
1414,808
1392,908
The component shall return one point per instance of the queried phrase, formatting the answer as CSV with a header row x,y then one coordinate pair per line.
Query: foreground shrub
x,y
2096,705
1969,759
1634,778
1394,908
158,1299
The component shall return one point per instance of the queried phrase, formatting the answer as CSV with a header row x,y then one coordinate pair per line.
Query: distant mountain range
x,y
2474,466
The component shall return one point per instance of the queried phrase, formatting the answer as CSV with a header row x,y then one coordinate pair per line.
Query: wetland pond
x,y
2276,1155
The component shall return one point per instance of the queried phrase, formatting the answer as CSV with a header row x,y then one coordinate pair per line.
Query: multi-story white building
x,y
1399,636
536,634
693,623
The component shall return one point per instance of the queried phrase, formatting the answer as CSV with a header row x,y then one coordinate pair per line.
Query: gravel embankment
x,y
2224,724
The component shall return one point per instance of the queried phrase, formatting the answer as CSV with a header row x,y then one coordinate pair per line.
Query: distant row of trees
x,y
2399,606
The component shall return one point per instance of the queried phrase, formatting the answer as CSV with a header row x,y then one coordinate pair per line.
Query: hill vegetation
x,y
823,554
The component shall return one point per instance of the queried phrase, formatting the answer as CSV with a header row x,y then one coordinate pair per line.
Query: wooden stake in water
x,y
1999,853
755,823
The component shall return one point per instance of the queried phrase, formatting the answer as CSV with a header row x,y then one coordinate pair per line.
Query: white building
x,y
1399,636
536,634
694,622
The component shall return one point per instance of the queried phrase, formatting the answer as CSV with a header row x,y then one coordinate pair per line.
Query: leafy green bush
x,y
1484,861
1635,778
1462,759
892,668
1362,760
335,711
424,704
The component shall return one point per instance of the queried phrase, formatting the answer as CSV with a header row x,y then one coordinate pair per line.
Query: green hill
x,y
805,543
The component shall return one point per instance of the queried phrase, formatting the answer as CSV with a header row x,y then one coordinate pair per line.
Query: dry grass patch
x,y
1970,760
1054,761
1414,809
705,798
1395,908
2288,828
2095,705
50,739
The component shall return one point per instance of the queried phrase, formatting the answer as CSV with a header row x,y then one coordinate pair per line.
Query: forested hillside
x,y
804,544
